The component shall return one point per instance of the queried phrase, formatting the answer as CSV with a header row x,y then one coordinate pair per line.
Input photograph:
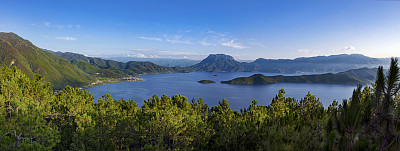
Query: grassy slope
x,y
31,59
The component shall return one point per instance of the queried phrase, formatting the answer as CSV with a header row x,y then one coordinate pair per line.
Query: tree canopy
x,y
33,118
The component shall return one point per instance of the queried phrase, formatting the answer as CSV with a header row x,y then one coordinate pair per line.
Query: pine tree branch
x,y
394,139
8,133
376,129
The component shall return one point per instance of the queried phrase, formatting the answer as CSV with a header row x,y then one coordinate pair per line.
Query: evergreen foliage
x,y
33,118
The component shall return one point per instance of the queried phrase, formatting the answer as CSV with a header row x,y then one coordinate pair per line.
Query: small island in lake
x,y
355,76
206,81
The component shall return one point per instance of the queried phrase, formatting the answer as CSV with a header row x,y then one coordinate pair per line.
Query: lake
x,y
238,96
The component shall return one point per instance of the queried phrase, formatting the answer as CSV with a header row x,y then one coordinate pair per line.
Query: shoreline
x,y
105,81
114,80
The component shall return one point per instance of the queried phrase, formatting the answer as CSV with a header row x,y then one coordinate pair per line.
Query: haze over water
x,y
239,96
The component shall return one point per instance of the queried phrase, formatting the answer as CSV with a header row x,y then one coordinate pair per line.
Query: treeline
x,y
33,118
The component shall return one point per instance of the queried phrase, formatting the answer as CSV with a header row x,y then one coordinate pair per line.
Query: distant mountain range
x,y
167,62
65,68
319,64
111,68
354,76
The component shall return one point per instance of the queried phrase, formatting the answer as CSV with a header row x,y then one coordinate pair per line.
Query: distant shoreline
x,y
106,81
114,80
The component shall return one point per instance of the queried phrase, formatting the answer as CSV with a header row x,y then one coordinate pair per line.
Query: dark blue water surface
x,y
239,96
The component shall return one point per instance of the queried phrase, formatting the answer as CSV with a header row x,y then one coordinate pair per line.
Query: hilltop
x,y
16,51
355,76
218,63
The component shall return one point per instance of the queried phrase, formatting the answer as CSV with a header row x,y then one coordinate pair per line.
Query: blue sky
x,y
193,29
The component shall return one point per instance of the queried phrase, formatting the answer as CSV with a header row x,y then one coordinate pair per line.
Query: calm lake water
x,y
239,96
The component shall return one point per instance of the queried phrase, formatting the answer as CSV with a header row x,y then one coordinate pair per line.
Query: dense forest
x,y
33,118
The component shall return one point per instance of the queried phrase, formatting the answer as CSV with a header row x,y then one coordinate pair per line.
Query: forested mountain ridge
x,y
17,51
319,64
219,63
111,68
355,76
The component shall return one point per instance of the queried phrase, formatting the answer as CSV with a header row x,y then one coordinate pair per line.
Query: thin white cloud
x,y
150,38
179,41
139,55
177,36
346,50
350,48
204,43
50,25
45,36
60,26
303,50
141,50
210,32
253,42
154,56
176,39
213,38
215,34
167,52
47,24
232,44
67,38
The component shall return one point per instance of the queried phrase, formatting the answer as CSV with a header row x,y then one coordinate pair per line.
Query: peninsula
x,y
355,76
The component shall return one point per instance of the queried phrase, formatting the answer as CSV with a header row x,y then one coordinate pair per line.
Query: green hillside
x,y
355,76
111,69
17,51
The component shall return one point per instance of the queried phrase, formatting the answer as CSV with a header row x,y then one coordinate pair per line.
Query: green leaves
x,y
24,106
33,118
